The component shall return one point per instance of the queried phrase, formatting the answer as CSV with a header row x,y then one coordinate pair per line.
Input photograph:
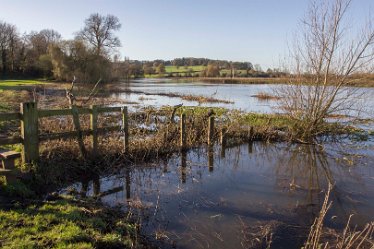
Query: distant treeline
x,y
198,67
92,55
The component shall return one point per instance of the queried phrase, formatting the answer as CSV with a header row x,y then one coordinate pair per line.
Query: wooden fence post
x,y
211,130
125,128
183,131
223,137
77,126
251,133
30,132
93,127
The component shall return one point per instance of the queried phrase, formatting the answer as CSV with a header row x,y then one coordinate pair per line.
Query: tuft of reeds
x,y
313,241
348,239
205,99
265,96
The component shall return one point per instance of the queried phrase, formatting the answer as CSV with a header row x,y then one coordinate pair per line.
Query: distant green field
x,y
183,69
14,84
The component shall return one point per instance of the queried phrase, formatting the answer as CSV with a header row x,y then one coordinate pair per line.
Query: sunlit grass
x,y
64,224
15,83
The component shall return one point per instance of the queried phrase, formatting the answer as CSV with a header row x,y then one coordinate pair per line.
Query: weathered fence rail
x,y
30,138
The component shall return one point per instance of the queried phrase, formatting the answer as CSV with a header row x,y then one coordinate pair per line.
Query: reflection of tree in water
x,y
307,170
155,192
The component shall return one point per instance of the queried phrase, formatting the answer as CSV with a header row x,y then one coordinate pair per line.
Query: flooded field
x,y
245,196
241,96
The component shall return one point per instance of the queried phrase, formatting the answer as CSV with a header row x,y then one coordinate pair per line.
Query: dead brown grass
x,y
205,99
320,237
265,96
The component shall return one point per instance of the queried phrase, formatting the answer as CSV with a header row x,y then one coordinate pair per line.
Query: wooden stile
x,y
30,137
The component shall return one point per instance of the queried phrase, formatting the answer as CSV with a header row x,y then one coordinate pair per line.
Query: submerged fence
x,y
29,116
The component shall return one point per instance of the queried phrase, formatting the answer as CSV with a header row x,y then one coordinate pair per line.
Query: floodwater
x,y
241,96
243,196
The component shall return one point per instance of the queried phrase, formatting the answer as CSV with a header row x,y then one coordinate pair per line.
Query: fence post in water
x,y
183,131
125,128
210,130
29,132
93,127
251,133
223,137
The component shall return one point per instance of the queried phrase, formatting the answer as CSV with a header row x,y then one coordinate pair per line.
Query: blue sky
x,y
243,30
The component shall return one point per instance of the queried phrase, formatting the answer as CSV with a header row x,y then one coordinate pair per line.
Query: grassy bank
x,y
12,92
67,223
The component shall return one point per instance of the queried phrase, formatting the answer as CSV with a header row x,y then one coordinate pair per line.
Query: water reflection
x,y
128,183
183,166
211,158
201,198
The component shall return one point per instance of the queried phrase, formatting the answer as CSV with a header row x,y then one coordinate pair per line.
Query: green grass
x,y
182,69
201,111
18,84
263,120
16,189
65,223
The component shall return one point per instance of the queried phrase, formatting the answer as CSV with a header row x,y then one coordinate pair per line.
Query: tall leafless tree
x,y
8,41
325,59
99,32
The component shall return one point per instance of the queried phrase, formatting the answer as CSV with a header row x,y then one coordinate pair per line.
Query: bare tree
x,y
8,41
99,32
325,59
72,98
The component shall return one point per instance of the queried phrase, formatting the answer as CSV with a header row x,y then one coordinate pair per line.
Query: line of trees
x,y
46,54
91,55
209,68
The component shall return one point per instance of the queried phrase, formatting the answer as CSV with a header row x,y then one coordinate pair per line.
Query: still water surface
x,y
224,198
239,197
241,95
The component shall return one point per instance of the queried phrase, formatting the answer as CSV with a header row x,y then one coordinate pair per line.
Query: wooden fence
x,y
30,138
29,116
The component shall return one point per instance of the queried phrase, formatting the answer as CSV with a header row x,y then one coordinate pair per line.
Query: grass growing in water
x,y
265,96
